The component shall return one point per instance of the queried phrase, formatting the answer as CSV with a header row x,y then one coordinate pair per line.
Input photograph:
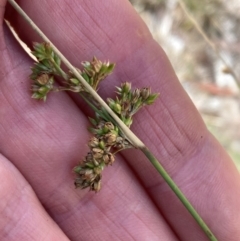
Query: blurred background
x,y
202,41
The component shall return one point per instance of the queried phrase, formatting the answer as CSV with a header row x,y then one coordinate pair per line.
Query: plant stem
x,y
179,193
134,140
59,70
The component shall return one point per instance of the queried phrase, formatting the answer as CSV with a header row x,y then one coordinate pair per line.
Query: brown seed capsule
x,y
145,92
110,138
108,159
97,153
135,95
87,173
94,142
97,186
43,79
97,64
98,170
82,172
109,126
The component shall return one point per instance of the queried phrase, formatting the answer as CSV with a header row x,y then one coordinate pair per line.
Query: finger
x,y
45,141
22,216
173,128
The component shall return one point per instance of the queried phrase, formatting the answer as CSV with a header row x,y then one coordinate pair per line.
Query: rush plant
x,y
110,126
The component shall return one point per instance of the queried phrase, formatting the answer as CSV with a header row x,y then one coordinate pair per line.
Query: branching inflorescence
x,y
107,139
110,130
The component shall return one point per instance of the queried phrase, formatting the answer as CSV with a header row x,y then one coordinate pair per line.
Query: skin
x,y
40,142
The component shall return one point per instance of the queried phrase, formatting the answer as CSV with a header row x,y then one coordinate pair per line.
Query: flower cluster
x,y
103,146
42,85
93,72
107,138
44,70
49,64
129,102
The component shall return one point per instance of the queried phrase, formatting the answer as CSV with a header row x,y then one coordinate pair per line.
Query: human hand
x,y
41,142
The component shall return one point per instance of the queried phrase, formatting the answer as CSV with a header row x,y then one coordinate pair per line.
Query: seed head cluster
x,y
107,139
105,142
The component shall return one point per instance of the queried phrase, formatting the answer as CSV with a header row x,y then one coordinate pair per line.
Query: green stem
x,y
94,107
104,114
179,193
58,68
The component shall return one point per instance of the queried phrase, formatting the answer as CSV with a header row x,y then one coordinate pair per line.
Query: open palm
x,y
40,142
